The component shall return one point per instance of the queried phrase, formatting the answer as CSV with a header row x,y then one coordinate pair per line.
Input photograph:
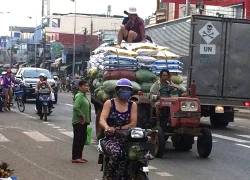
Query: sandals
x,y
84,159
77,161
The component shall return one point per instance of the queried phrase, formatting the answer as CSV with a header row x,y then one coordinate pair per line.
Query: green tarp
x,y
64,67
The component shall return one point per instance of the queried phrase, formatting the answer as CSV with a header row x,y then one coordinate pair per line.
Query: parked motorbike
x,y
45,98
135,154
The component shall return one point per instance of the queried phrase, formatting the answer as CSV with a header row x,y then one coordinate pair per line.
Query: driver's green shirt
x,y
164,90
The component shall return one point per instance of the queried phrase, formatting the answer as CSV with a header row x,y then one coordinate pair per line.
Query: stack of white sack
x,y
139,62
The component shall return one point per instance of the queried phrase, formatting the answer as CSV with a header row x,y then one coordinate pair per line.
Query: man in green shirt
x,y
80,121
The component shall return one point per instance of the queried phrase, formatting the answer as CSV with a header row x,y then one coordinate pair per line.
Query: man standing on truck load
x,y
133,30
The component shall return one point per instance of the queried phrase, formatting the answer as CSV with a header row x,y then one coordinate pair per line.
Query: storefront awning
x,y
64,67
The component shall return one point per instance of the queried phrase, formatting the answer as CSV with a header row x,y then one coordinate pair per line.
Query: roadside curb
x,y
242,113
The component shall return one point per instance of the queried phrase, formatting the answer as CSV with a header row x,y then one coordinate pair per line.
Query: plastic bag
x,y
52,97
89,135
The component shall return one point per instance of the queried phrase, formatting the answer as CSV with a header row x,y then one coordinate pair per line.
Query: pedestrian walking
x,y
80,120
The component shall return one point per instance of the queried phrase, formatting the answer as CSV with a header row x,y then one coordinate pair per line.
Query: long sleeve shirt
x,y
81,108
156,90
8,81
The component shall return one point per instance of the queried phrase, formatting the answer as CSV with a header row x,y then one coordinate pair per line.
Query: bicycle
x,y
18,93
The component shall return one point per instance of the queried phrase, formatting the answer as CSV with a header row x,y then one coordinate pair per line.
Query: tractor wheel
x,y
204,143
159,142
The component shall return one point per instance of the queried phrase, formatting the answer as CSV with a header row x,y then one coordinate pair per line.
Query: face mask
x,y
124,94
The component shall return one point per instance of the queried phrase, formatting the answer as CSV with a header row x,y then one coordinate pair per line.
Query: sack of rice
x,y
162,48
110,85
165,55
169,67
181,90
145,86
147,60
177,79
97,90
115,58
146,52
102,96
144,75
136,46
92,72
120,52
117,74
171,62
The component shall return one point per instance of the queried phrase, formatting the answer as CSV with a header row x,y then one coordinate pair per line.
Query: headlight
x,y
26,84
183,105
137,133
189,105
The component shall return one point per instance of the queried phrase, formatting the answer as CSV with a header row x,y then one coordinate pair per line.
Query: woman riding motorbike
x,y
124,112
7,82
43,80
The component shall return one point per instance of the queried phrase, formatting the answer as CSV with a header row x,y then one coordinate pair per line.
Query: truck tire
x,y
220,120
204,143
98,129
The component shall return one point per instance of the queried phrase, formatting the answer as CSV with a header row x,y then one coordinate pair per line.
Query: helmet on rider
x,y
42,75
123,88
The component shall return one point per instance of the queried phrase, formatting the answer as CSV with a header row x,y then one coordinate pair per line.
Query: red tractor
x,y
179,118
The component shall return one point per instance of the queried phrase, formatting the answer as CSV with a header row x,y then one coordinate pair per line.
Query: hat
x,y
131,10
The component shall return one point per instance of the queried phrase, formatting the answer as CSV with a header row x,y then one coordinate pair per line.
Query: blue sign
x,y
17,35
64,57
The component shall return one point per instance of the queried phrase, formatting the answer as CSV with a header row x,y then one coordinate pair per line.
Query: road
x,y
42,150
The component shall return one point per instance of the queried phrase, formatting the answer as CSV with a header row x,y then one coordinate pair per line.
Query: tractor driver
x,y
160,88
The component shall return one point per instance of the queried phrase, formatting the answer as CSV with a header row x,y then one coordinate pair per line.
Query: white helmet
x,y
43,75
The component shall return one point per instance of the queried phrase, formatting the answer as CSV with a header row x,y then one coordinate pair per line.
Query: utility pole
x,y
91,33
43,35
187,8
11,46
74,45
84,47
201,6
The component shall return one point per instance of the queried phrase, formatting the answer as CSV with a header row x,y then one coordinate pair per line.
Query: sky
x,y
21,10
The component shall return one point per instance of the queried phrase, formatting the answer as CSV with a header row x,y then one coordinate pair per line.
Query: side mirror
x,y
19,77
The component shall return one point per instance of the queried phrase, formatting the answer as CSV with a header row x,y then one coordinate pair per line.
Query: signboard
x,y
207,49
208,32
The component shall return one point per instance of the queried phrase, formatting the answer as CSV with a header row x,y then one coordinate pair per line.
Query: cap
x,y
131,10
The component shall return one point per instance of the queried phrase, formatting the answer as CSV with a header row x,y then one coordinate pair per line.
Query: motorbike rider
x,y
7,82
124,112
43,79
75,84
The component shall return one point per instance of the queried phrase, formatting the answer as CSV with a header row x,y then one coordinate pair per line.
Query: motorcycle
x,y
135,154
45,98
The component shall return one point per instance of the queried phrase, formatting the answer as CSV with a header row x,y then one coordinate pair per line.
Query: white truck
x,y
216,54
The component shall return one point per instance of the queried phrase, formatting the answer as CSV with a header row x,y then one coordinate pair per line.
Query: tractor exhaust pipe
x,y
193,89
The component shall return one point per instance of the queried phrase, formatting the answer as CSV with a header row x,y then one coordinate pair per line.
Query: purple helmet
x,y
124,83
